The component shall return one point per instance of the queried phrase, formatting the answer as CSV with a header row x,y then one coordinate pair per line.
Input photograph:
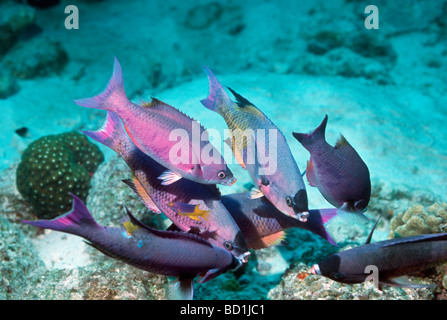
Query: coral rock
x,y
53,166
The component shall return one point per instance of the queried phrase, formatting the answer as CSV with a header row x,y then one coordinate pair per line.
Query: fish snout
x,y
302,216
230,181
315,269
244,257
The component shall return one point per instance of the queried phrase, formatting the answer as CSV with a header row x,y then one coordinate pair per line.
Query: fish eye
x,y
289,201
228,245
338,275
221,174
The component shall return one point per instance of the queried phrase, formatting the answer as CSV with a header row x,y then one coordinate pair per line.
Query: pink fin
x,y
113,95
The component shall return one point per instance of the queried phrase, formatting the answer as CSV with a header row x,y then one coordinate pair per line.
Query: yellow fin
x,y
205,214
273,239
130,227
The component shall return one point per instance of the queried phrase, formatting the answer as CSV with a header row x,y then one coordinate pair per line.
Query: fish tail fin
x,y
113,97
317,219
318,134
180,289
111,134
73,222
217,96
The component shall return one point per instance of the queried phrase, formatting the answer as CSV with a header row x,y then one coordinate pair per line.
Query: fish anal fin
x,y
168,177
273,239
350,211
138,188
180,289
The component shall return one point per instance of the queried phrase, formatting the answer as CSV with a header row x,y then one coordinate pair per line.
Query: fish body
x,y
208,217
253,137
263,225
393,259
168,253
338,172
167,135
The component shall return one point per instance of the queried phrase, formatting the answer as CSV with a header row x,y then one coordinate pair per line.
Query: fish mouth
x,y
302,216
315,269
230,181
244,257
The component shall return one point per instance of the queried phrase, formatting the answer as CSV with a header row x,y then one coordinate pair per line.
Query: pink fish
x,y
167,135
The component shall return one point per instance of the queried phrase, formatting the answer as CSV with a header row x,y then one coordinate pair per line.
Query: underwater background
x,y
384,89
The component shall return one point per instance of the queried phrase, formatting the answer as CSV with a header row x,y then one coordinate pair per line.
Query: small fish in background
x,y
178,201
177,254
150,125
393,259
338,172
284,187
263,225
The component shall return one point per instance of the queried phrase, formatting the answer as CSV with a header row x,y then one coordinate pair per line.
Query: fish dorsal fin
x,y
342,142
273,239
368,240
404,282
344,147
136,186
420,238
153,103
240,100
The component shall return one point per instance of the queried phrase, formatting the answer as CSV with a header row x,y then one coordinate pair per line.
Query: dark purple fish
x,y
202,212
392,259
177,254
338,172
263,225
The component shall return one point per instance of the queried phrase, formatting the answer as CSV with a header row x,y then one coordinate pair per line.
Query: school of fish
x,y
212,234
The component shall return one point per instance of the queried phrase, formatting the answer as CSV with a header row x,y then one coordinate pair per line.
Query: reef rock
x,y
35,57
53,166
14,18
418,220
8,84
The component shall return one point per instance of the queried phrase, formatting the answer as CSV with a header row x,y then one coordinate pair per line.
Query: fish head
x,y
292,204
218,174
238,247
334,268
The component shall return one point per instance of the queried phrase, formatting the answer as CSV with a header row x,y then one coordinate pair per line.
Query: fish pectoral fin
x,y
168,177
350,211
136,186
255,193
210,274
404,282
180,289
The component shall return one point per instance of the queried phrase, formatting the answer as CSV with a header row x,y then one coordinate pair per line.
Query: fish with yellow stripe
x,y
191,206
176,254
150,125
264,226
261,148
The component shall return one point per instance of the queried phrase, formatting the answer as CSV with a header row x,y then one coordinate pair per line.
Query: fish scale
x,y
284,187
220,229
149,127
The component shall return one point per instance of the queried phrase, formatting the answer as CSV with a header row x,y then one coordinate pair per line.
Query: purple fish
x,y
338,172
156,127
263,225
392,259
191,206
168,253
261,148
